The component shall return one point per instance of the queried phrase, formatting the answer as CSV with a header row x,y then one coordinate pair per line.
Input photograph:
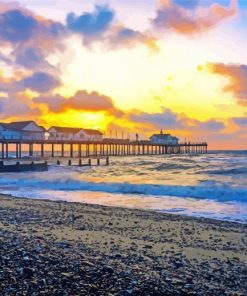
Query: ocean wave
x,y
229,171
210,190
175,166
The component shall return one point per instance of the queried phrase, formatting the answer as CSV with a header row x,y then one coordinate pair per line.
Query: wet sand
x,y
60,248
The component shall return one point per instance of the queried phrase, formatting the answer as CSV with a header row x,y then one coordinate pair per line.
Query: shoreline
x,y
97,195
103,250
152,211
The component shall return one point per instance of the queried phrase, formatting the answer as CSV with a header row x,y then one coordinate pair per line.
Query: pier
x,y
80,149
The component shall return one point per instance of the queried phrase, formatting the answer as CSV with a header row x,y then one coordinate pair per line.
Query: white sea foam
x,y
219,177
71,182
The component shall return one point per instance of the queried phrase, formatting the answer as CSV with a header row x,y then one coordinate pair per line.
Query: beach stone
x,y
189,286
107,269
87,263
128,292
28,272
69,262
117,256
178,264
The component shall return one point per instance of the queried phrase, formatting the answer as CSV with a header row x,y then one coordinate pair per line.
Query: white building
x,y
161,138
74,134
93,134
22,130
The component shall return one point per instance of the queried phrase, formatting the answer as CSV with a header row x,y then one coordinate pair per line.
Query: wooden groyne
x,y
48,148
40,167
23,167
81,163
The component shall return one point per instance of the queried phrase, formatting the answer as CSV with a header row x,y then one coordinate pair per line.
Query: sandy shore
x,y
59,248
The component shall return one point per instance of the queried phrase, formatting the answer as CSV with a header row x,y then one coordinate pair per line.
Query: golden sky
x,y
137,67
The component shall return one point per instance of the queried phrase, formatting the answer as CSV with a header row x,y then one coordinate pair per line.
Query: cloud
x,y
20,25
55,103
175,121
15,26
241,121
4,6
9,85
166,119
82,100
16,106
40,82
190,19
187,3
32,58
121,36
100,25
32,38
90,101
91,24
237,75
35,36
211,125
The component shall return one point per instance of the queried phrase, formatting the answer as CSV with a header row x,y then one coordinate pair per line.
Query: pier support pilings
x,y
82,149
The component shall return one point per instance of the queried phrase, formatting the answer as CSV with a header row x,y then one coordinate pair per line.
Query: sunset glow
x,y
185,66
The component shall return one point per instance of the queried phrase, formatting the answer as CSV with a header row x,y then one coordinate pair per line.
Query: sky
x,y
128,66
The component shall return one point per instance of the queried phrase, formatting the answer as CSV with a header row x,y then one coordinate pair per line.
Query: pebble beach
x,y
62,248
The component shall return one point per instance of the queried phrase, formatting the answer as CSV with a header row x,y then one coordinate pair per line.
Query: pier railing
x,y
59,148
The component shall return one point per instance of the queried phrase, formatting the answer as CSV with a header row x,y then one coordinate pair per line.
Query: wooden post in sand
x,y
20,150
79,150
17,150
42,149
71,150
30,150
2,150
7,150
62,150
86,149
52,150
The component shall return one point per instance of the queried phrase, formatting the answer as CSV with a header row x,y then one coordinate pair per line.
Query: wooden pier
x,y
48,148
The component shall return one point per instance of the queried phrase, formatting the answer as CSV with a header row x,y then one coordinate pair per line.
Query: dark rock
x,y
107,269
28,272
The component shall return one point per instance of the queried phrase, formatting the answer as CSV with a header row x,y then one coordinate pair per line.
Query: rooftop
x,y
161,135
19,125
75,130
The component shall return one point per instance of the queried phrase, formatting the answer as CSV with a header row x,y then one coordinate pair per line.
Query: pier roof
x,y
75,130
93,132
162,136
61,129
20,125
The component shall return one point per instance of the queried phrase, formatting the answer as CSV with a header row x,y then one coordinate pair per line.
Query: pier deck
x,y
55,148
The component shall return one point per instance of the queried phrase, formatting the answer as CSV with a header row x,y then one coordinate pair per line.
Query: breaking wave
x,y
206,190
170,182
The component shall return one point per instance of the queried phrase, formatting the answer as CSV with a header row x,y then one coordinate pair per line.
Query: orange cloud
x,y
81,101
237,75
16,106
186,20
9,6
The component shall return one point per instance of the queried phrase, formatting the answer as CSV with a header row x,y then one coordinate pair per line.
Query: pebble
x,y
36,264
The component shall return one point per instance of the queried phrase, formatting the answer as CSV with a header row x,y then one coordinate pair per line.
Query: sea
x,y
212,185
